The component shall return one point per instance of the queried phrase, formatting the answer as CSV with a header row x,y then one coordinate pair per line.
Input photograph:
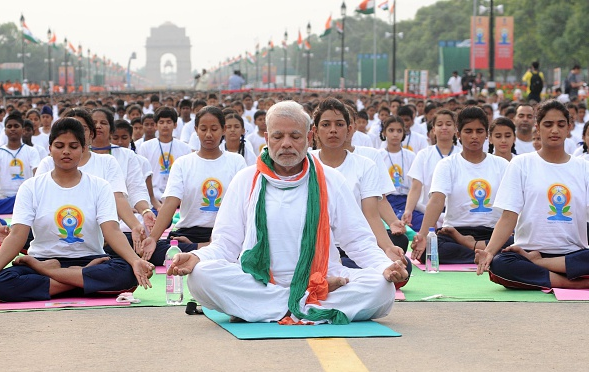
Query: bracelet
x,y
475,245
145,211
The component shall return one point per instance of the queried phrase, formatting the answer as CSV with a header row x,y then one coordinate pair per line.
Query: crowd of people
x,y
293,207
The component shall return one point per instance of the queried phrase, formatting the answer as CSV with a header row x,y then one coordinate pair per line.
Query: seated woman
x,y
69,231
422,169
332,127
197,185
466,184
549,215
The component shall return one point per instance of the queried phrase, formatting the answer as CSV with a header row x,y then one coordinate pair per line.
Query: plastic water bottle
x,y
174,283
432,259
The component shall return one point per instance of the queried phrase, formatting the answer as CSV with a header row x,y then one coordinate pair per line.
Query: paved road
x,y
503,337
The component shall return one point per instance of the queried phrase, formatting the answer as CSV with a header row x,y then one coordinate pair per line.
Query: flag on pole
x,y
307,45
26,33
71,47
271,45
53,41
300,40
250,59
339,27
384,5
366,7
393,8
327,27
284,44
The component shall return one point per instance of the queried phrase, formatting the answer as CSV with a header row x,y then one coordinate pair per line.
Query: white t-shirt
x,y
42,152
64,223
162,156
398,164
470,189
187,131
258,142
570,145
138,143
180,124
100,165
16,166
194,142
373,154
455,84
361,139
248,115
422,169
522,147
145,167
201,185
132,171
413,141
41,140
552,210
361,176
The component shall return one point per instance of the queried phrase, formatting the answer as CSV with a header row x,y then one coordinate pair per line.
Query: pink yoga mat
x,y
444,267
61,303
160,269
399,295
562,294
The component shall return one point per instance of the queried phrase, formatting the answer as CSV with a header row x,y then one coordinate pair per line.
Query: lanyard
x,y
408,141
15,155
166,161
439,152
109,148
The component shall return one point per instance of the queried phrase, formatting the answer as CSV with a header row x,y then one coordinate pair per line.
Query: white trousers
x,y
223,286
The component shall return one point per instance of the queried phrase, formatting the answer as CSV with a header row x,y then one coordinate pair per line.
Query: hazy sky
x,y
217,28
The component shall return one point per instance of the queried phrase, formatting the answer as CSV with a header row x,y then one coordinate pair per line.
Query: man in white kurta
x,y
216,277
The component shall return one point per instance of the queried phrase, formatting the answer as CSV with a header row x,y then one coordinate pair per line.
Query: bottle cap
x,y
174,242
432,229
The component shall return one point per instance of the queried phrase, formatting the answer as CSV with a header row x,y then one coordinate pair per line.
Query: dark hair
x,y
388,121
135,121
185,103
548,105
238,103
352,111
145,117
333,105
429,107
198,102
33,111
405,111
109,117
573,106
213,110
134,107
535,65
165,113
84,114
241,149
503,122
154,98
67,125
124,124
452,115
259,113
585,149
28,124
14,115
470,114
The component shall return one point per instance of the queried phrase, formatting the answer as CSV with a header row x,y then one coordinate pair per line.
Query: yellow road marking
x,y
335,354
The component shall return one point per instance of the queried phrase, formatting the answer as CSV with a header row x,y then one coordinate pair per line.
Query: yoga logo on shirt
x,y
408,147
17,170
69,220
261,148
396,173
212,189
559,197
166,161
479,191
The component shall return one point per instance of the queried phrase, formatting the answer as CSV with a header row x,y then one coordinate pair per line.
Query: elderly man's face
x,y
287,142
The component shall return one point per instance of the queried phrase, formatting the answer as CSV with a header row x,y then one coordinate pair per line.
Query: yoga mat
x,y
399,295
444,267
562,294
61,303
465,286
258,331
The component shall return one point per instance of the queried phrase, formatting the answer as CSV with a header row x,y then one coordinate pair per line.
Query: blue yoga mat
x,y
259,331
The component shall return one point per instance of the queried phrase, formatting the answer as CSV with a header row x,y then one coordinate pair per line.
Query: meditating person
x,y
66,254
549,214
465,184
272,255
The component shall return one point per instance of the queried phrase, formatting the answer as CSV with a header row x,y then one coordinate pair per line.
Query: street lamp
x,y
285,56
65,62
269,63
308,54
49,34
89,71
342,78
133,56
491,9
79,78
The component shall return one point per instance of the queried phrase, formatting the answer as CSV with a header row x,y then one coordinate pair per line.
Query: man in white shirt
x,y
524,123
299,236
455,83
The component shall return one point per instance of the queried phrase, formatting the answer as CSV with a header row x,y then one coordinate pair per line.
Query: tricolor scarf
x,y
311,269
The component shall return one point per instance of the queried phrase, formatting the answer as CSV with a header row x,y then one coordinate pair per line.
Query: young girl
x,y
422,169
398,161
332,128
502,138
137,129
197,184
548,215
235,138
39,138
466,185
69,231
257,138
582,151
537,142
149,129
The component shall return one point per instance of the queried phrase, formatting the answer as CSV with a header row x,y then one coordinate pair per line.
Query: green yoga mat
x,y
258,331
466,286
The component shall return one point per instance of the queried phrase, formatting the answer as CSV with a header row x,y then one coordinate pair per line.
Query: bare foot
x,y
235,319
465,240
39,266
334,282
97,261
533,256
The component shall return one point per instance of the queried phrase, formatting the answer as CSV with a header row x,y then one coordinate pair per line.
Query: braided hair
x,y
505,122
